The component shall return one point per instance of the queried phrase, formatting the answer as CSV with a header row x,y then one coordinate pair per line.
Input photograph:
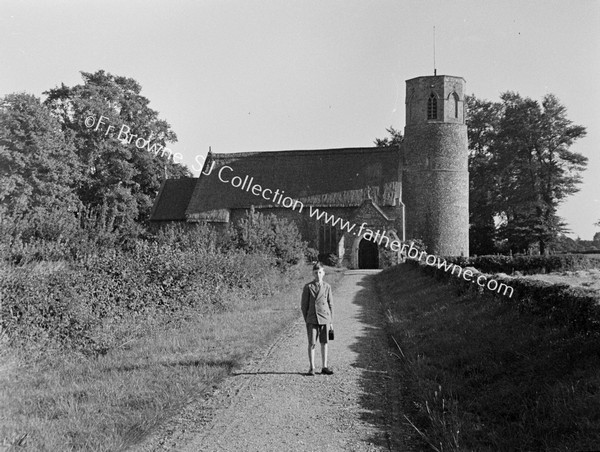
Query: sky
x,y
258,75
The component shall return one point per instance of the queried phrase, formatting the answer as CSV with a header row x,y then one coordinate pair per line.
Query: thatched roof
x,y
324,178
173,199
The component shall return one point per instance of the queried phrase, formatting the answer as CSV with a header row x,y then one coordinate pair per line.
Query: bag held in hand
x,y
331,335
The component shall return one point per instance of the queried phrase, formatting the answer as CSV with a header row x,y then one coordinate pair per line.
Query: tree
x,y
536,168
39,168
118,174
521,168
482,124
394,139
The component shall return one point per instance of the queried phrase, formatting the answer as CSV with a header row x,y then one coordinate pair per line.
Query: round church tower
x,y
435,182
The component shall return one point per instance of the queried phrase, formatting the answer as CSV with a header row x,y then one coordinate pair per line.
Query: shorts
x,y
315,331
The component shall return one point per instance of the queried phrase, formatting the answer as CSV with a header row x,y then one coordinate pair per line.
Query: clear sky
x,y
246,75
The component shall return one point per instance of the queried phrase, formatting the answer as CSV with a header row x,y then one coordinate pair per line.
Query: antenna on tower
x,y
434,68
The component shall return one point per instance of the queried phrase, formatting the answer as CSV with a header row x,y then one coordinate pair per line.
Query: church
x,y
419,190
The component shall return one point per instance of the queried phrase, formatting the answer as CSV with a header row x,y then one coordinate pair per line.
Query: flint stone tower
x,y
435,178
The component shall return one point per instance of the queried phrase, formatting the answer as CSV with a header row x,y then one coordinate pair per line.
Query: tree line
x,y
521,168
51,162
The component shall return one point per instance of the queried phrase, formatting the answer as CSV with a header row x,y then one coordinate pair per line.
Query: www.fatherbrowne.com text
x,y
246,183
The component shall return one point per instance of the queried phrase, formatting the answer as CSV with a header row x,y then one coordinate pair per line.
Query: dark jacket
x,y
317,306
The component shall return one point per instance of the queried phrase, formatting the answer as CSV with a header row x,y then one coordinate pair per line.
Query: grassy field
x,y
478,375
589,279
52,400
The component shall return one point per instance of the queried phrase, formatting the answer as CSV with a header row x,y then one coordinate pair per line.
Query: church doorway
x,y
368,254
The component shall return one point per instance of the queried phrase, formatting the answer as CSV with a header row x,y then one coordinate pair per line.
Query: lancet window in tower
x,y
455,97
432,107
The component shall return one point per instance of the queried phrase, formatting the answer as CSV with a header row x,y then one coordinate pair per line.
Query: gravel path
x,y
270,405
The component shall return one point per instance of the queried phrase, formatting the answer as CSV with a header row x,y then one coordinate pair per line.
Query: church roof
x,y
324,178
173,199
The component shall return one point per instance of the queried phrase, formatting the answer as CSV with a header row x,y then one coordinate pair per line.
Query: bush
x,y
188,236
330,259
40,306
269,234
95,297
559,304
117,289
311,255
60,234
527,264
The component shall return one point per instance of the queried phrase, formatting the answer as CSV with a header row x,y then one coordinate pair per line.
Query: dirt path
x,y
270,405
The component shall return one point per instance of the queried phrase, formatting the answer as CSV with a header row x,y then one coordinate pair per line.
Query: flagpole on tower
x,y
434,68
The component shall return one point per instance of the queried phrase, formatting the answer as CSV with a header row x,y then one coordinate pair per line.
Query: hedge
x,y
76,305
527,264
559,304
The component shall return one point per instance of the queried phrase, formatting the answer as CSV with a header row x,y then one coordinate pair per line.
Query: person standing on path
x,y
317,309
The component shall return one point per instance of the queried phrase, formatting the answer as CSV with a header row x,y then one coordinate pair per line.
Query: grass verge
x,y
479,375
54,400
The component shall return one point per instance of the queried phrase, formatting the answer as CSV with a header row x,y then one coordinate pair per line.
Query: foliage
x,y
564,244
521,169
527,264
257,232
52,165
53,234
39,167
330,259
482,123
123,177
103,285
559,304
395,138
80,304
312,255
190,237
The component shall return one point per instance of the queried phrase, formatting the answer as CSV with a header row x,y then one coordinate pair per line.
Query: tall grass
x,y
482,376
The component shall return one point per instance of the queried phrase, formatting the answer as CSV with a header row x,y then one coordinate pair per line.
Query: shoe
x,y
310,373
326,371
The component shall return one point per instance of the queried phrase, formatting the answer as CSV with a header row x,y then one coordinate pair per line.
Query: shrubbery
x,y
527,264
311,254
59,234
269,234
560,304
70,290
